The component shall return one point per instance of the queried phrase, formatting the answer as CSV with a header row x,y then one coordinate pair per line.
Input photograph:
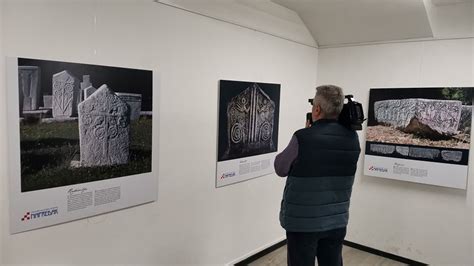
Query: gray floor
x,y
351,256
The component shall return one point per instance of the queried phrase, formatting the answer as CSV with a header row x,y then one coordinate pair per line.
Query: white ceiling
x,y
451,18
327,23
335,22
261,15
449,2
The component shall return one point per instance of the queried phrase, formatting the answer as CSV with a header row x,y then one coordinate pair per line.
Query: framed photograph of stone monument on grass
x,y
420,135
80,140
248,130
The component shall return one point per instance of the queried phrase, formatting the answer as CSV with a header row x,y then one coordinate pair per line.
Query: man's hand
x,y
309,119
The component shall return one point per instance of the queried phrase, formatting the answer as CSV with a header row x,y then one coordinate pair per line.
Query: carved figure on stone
x,y
65,95
431,118
104,129
29,78
455,156
250,123
425,153
403,150
381,148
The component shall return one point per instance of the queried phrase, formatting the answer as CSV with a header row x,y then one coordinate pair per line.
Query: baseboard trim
x,y
374,251
383,254
262,253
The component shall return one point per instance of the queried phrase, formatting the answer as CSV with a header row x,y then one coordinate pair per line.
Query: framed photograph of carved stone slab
x,y
247,131
420,135
80,140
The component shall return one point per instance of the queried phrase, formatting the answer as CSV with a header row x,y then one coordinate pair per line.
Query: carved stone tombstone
x,y
29,84
422,116
134,101
86,83
89,91
455,156
382,148
104,129
65,95
250,122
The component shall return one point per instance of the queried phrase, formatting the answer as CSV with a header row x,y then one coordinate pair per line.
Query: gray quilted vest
x,y
318,188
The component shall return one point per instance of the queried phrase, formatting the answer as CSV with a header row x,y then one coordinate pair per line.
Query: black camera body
x,y
352,114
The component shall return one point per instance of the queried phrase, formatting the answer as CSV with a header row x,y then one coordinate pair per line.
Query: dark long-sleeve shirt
x,y
286,158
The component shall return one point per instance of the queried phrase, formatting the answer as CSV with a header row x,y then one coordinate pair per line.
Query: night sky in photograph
x,y
118,79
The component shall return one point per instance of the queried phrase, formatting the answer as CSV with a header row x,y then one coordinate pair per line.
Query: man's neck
x,y
324,119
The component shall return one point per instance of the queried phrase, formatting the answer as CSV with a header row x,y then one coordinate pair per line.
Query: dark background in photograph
x,y
118,79
47,149
229,89
406,93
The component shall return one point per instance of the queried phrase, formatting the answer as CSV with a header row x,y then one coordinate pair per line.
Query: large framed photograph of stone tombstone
x,y
247,131
420,135
80,140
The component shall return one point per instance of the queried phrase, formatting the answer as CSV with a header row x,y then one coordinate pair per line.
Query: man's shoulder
x,y
333,129
301,132
340,129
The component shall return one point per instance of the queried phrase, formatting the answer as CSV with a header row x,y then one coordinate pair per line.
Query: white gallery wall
x,y
430,224
3,136
192,222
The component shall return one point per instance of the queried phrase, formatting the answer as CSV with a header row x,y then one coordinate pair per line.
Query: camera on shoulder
x,y
352,114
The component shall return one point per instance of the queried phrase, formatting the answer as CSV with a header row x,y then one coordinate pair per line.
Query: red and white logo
x,y
26,217
31,215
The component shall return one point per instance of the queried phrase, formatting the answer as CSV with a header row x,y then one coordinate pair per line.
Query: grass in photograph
x,y
392,135
48,149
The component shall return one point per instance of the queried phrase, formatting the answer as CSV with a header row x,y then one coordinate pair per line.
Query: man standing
x,y
320,163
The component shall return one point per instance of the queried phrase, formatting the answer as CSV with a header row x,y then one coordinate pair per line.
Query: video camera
x,y
352,114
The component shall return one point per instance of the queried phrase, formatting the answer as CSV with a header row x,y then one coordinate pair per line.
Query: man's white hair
x,y
331,100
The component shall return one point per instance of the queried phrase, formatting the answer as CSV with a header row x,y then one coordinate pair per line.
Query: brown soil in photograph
x,y
391,135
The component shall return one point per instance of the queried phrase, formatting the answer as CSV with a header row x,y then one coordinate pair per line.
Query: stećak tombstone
x,y
29,85
104,129
133,100
250,123
65,95
86,83
89,91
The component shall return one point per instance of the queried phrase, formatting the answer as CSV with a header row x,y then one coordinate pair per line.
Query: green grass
x,y
48,149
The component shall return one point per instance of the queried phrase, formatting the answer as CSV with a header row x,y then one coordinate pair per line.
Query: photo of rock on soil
x,y
82,123
434,117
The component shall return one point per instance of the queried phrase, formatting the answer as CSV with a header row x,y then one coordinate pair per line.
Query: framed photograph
x,y
80,140
248,130
420,135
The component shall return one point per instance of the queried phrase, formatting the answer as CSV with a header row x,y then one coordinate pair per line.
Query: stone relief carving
x,y
432,118
65,95
250,123
104,127
29,84
455,156
381,148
